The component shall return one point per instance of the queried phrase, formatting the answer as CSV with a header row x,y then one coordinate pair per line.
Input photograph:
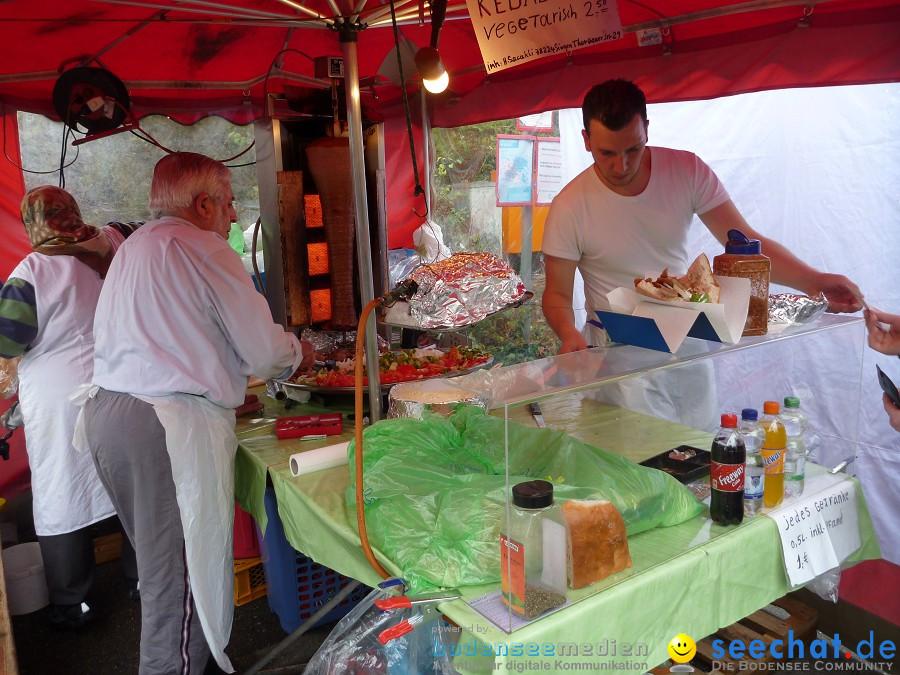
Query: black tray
x,y
684,470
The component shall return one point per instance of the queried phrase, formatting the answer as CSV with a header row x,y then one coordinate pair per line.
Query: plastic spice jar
x,y
743,258
533,551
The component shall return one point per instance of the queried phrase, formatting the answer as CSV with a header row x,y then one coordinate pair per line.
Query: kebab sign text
x,y
512,32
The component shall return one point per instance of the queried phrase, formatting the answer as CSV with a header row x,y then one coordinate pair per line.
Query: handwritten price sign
x,y
820,529
512,32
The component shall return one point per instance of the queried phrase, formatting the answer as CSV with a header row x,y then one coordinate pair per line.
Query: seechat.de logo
x,y
797,649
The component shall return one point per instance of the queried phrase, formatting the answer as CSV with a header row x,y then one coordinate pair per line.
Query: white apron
x,y
201,442
68,494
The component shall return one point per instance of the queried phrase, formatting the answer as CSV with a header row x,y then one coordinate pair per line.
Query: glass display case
x,y
637,405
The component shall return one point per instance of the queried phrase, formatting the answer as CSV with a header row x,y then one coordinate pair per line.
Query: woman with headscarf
x,y
46,315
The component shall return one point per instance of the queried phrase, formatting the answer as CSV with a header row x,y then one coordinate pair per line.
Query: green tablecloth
x,y
692,578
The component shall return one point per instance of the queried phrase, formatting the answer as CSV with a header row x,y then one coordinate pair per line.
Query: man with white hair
x,y
177,335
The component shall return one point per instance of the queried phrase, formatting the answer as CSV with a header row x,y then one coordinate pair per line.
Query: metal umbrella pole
x,y
363,240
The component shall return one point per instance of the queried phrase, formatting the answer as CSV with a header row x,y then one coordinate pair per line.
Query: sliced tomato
x,y
406,371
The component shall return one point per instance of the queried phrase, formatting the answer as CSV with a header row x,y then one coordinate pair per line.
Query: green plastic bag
x,y
434,490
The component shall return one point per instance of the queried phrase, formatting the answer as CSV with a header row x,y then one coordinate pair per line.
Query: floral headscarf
x,y
53,222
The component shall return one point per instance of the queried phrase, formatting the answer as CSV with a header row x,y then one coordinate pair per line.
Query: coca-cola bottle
x,y
726,473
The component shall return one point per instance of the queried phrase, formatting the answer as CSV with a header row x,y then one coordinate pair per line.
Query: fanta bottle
x,y
773,454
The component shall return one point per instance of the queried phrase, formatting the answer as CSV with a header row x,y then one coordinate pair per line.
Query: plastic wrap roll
x,y
319,459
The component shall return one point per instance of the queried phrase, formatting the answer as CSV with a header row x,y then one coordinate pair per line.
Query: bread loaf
x,y
596,543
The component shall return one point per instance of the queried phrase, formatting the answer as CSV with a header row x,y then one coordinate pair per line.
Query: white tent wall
x,y
819,171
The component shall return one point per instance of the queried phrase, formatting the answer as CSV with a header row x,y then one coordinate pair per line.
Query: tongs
x,y
428,612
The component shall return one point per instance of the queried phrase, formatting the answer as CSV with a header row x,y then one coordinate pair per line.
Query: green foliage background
x,y
110,177
466,155
463,155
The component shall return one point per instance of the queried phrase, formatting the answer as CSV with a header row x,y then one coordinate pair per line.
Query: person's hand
x,y
892,411
842,294
886,341
309,355
575,343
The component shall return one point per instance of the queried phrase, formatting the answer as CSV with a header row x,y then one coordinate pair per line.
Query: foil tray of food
x,y
459,291
792,308
434,396
395,366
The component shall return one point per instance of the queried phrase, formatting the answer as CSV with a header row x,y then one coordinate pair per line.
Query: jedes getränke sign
x,y
820,529
512,32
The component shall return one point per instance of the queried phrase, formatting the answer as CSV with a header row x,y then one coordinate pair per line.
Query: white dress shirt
x,y
179,314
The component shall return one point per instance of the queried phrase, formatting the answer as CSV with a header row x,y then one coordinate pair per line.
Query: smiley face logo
x,y
682,648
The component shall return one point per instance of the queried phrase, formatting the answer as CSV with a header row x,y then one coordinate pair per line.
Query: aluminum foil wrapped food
x,y
333,343
462,290
437,396
792,308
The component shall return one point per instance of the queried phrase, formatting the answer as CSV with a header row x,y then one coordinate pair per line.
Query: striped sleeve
x,y
125,228
18,317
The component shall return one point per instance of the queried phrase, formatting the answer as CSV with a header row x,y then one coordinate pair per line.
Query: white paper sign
x,y
819,529
513,32
550,178
537,122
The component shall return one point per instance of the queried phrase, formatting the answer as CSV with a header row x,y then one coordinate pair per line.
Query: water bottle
x,y
754,474
795,426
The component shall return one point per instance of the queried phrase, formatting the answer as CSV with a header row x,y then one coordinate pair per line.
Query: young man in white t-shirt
x,y
628,214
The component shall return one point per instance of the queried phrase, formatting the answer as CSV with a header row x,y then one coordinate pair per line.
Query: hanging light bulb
x,y
434,76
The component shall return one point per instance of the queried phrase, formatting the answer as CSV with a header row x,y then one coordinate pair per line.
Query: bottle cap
x,y
791,402
533,494
739,244
750,414
729,420
771,408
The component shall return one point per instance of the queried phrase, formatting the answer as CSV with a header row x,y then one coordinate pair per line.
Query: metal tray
x,y
683,470
384,387
528,295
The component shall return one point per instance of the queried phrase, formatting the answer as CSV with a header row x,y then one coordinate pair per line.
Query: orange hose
x,y
358,393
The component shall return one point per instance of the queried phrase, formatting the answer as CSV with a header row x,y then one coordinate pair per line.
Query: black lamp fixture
x,y
428,61
434,77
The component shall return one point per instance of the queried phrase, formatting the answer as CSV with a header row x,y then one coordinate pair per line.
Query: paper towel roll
x,y
319,459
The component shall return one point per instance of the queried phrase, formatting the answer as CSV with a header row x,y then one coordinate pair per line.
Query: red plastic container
x,y
246,543
329,424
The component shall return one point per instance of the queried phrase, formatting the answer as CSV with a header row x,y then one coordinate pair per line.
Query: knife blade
x,y
538,416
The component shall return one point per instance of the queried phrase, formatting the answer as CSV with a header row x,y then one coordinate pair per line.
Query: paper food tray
x,y
655,324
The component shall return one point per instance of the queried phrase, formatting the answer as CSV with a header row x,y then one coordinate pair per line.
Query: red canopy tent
x,y
190,58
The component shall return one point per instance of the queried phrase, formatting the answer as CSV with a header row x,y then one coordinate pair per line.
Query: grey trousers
x,y
128,445
69,564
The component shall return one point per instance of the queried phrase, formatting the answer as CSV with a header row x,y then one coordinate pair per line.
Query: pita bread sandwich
x,y
698,285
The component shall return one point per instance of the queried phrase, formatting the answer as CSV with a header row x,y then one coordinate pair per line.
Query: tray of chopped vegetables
x,y
399,365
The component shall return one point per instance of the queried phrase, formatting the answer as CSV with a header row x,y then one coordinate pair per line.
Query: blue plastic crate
x,y
297,585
